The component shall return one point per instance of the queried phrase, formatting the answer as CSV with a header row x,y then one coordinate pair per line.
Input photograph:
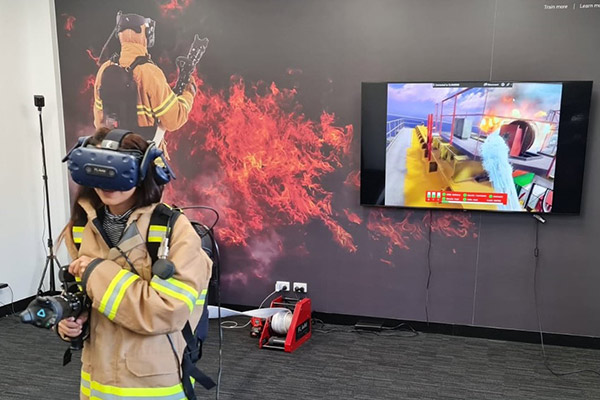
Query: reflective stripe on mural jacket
x,y
156,100
128,354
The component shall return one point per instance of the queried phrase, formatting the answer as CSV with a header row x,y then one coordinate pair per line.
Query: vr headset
x,y
110,168
134,22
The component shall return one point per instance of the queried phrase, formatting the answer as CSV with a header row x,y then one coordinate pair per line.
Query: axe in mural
x,y
186,66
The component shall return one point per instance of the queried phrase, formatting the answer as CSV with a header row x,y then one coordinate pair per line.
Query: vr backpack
x,y
119,94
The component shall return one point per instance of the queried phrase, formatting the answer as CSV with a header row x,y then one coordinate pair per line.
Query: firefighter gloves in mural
x,y
47,311
187,64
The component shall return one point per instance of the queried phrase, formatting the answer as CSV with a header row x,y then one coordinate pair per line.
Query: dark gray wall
x,y
483,277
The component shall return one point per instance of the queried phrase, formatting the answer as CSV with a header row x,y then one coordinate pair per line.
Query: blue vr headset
x,y
107,167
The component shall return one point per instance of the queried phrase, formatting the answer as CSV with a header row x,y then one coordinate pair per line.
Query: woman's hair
x,y
148,191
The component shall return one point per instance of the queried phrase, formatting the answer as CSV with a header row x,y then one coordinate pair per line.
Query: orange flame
x,y
397,233
352,217
174,7
92,56
69,24
270,159
489,123
452,224
87,85
353,179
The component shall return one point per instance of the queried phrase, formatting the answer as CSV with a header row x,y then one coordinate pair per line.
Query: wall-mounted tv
x,y
494,146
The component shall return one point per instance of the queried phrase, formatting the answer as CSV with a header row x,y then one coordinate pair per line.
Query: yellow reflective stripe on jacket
x,y
156,233
201,298
165,106
114,294
96,390
77,233
144,110
177,289
98,104
185,103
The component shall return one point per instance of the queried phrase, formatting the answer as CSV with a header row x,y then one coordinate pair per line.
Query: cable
x,y
217,254
217,263
203,208
536,254
12,301
428,269
413,332
269,295
42,286
235,325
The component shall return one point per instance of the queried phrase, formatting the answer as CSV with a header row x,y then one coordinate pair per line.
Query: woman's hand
x,y
71,327
78,266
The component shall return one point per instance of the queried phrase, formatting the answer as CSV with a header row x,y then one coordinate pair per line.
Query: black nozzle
x,y
64,275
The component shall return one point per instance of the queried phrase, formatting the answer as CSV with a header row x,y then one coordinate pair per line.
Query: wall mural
x,y
264,137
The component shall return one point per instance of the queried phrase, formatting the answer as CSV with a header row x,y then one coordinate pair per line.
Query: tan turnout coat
x,y
157,103
128,355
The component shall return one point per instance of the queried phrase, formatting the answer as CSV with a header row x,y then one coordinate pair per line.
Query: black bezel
x,y
568,181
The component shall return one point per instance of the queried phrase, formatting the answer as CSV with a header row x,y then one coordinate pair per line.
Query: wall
x,y
239,149
29,67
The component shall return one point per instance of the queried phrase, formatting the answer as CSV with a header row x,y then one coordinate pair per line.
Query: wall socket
x,y
300,287
282,285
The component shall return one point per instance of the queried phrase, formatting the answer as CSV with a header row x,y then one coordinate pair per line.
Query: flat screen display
x,y
494,146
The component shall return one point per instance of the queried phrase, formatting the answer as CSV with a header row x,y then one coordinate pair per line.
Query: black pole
x,y
39,102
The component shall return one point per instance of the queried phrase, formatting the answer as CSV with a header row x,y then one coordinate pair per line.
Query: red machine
x,y
300,328
257,326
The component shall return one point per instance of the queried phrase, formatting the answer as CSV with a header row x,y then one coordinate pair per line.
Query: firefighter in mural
x,y
132,92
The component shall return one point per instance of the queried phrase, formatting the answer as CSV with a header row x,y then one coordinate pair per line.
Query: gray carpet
x,y
335,365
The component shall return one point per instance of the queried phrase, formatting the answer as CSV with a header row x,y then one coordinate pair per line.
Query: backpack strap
x,y
139,60
162,222
191,355
77,230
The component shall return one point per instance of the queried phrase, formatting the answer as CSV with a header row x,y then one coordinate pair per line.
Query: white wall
x,y
29,66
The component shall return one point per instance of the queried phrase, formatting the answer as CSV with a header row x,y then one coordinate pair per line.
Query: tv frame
x,y
568,182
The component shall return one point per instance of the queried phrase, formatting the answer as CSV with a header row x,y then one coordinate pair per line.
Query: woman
x,y
135,345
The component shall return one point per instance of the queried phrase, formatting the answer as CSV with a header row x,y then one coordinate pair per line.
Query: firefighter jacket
x,y
128,353
157,103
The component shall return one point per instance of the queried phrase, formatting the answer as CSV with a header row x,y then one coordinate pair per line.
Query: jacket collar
x,y
130,51
92,213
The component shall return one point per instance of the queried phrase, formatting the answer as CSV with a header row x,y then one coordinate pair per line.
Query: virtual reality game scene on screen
x,y
481,145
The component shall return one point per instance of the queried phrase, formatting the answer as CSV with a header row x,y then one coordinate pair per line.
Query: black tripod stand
x,y
51,259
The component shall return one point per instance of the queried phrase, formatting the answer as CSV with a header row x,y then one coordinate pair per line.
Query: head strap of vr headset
x,y
114,139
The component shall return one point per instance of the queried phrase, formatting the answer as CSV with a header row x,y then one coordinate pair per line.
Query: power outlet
x,y
282,285
300,287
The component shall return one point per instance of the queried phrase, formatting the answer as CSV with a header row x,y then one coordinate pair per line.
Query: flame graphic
x,y
173,7
353,179
87,86
69,24
451,224
396,233
271,161
92,56
352,217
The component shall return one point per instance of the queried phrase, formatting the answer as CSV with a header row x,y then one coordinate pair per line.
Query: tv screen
x,y
494,146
